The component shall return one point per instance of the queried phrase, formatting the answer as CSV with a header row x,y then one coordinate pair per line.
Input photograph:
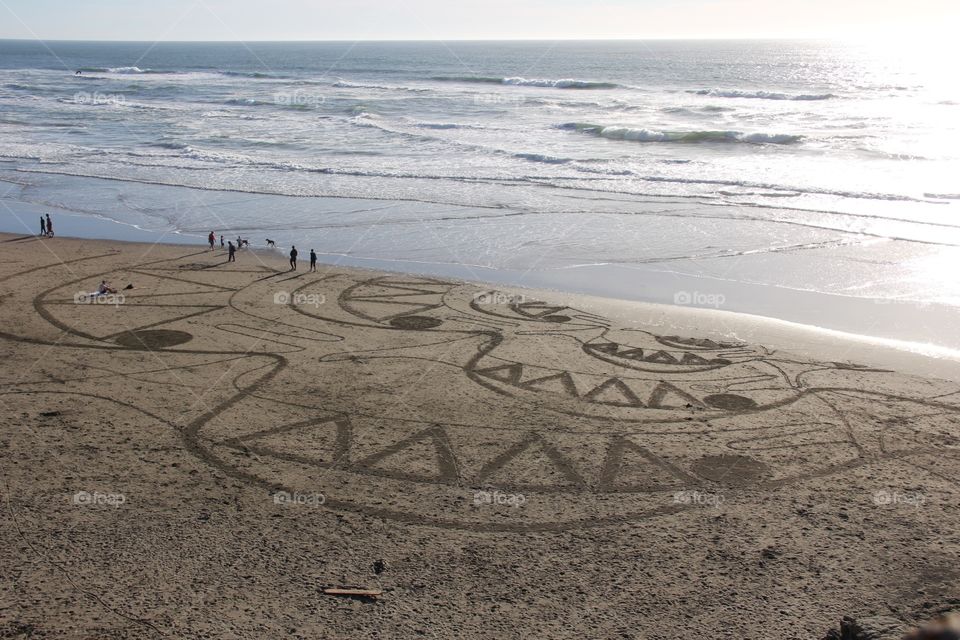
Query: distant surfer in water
x,y
79,72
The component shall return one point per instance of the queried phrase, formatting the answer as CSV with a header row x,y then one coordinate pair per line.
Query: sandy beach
x,y
201,455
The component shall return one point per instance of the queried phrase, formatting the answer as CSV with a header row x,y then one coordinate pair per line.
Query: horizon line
x,y
349,40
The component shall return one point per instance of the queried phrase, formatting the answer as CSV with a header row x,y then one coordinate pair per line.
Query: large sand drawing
x,y
401,397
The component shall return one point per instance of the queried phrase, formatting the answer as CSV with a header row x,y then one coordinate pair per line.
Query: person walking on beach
x,y
43,226
313,260
293,258
221,242
211,239
232,250
49,226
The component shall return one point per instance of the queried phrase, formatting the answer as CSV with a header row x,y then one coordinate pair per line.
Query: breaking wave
x,y
539,157
344,84
566,83
762,95
652,135
133,70
441,126
121,70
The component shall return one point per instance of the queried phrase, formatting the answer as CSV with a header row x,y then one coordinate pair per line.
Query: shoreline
x,y
724,282
805,340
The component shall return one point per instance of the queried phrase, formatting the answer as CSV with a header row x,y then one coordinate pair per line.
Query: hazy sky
x,y
471,19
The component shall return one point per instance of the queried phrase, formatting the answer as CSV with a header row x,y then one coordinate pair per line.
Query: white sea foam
x,y
763,95
616,132
564,83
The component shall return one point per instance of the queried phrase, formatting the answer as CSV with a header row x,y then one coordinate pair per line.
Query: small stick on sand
x,y
349,591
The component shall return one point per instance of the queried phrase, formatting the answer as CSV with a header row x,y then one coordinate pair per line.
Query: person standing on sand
x,y
232,250
293,258
49,226
313,260
211,239
43,226
221,242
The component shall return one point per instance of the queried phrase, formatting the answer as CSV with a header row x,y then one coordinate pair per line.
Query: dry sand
x,y
202,457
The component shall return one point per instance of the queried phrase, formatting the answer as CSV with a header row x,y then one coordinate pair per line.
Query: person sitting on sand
x,y
105,288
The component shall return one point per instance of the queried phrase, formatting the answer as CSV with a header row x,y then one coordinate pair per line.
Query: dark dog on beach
x,y
271,243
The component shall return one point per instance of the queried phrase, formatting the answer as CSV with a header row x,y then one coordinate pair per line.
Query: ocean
x,y
813,182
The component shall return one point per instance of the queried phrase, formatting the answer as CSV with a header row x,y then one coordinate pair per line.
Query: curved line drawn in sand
x,y
399,397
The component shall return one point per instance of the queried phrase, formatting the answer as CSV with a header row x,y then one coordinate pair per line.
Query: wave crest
x,y
345,84
761,95
565,83
652,135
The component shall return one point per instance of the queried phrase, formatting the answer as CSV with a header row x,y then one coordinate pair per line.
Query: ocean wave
x,y
360,111
246,102
133,70
344,84
250,74
168,144
37,123
539,157
226,159
22,87
891,155
652,135
566,83
763,194
122,70
761,95
362,118
442,126
696,111
794,190
233,115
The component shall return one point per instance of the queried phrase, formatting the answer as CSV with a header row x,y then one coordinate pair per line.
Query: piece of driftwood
x,y
352,591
